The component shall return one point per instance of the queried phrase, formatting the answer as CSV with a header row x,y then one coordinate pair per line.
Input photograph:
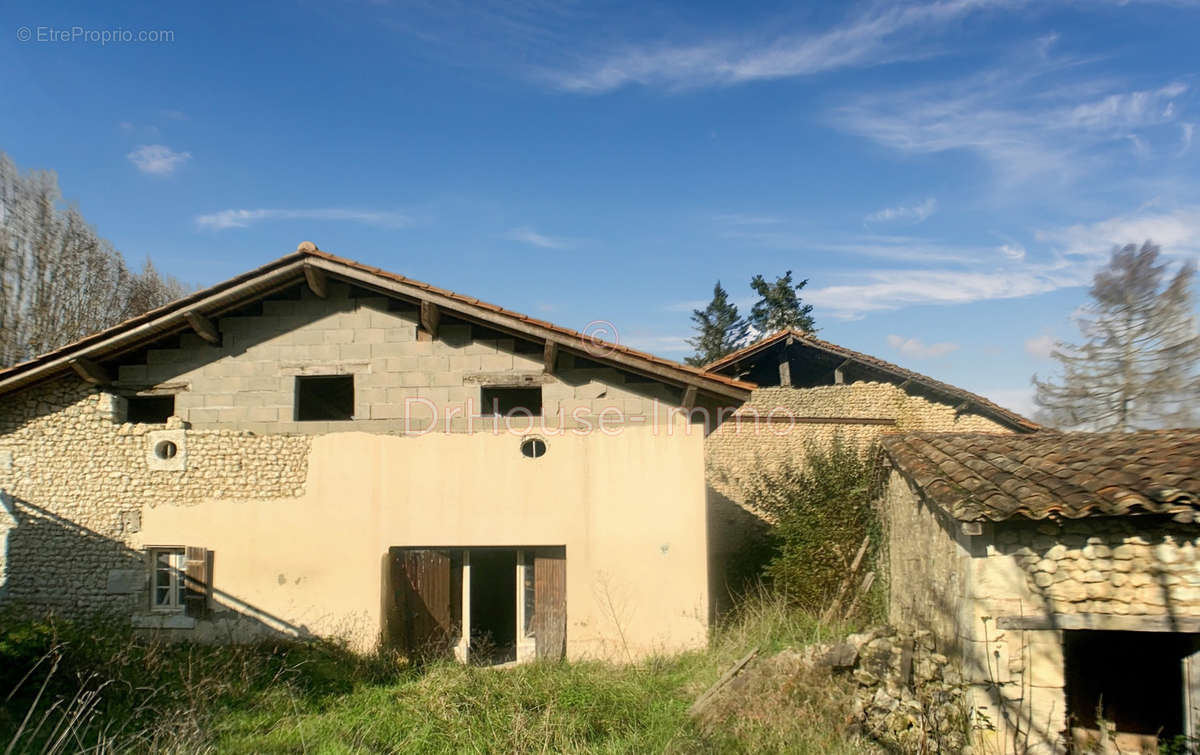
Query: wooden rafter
x,y
317,281
204,327
90,371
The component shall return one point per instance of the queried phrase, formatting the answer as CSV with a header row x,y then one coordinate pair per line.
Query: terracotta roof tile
x,y
986,476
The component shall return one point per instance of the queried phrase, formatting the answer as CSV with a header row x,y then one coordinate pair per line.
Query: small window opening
x,y
533,448
168,579
327,398
150,410
509,402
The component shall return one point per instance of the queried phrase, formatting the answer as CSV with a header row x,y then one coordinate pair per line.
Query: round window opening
x,y
533,448
165,449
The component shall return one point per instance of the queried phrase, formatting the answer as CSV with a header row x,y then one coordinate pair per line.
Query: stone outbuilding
x,y
1063,569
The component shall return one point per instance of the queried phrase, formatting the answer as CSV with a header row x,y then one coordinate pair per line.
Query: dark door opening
x,y
1134,681
493,606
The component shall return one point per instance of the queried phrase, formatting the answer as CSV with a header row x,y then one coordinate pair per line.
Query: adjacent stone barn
x,y
318,447
1064,571
809,391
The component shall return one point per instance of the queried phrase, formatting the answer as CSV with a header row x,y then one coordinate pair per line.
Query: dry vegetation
x,y
76,687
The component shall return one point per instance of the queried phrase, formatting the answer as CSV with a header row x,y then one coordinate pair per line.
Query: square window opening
x,y
167,579
328,398
509,402
149,410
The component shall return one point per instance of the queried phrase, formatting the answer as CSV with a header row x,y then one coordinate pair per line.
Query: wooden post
x,y
689,398
549,357
839,374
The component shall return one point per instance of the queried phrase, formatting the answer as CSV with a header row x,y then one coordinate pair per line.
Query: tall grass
x,y
112,692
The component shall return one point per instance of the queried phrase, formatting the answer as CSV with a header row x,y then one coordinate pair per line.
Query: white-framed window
x,y
167,579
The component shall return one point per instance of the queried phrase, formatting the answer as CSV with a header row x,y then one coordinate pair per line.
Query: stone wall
x,y
924,564
77,483
401,383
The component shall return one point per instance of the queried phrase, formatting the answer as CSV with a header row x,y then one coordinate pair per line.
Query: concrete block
x,y
166,450
202,416
386,350
369,335
355,351
405,333
132,373
337,337
464,363
400,364
433,363
495,362
279,307
447,379
263,414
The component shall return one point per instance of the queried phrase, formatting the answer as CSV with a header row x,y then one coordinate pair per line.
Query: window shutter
x,y
198,587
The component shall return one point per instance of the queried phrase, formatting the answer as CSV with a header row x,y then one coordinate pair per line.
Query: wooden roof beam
x,y
317,281
204,327
549,357
431,318
839,372
90,371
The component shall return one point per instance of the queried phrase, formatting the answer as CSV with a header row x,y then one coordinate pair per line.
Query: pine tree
x,y
779,307
1140,364
719,329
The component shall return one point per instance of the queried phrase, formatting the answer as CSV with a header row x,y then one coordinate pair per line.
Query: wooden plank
x,y
863,589
197,581
776,419
689,398
847,580
706,697
428,613
549,357
1191,696
550,604
431,318
90,371
317,282
508,379
1100,621
785,372
203,326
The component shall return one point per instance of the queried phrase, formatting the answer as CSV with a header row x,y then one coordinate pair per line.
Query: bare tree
x,y
59,281
1140,364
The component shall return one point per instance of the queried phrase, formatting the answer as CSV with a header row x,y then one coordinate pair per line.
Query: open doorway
x,y
1134,684
488,606
493,597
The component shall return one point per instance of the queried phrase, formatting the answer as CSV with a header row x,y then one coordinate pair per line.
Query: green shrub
x,y
821,509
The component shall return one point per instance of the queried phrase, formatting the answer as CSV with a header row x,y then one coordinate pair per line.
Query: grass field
x,y
75,687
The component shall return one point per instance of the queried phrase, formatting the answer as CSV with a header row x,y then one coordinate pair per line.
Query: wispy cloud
x,y
541,240
1040,346
658,344
915,347
915,213
225,219
896,248
1026,121
157,159
881,34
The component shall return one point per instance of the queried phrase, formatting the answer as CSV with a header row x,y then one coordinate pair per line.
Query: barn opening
x,y
486,606
1136,683
493,598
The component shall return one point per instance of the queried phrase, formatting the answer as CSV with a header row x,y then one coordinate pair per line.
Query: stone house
x,y
318,447
1062,568
807,391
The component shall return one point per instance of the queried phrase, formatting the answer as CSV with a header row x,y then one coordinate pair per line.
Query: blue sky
x,y
947,174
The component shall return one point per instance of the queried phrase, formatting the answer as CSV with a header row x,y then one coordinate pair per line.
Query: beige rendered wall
x,y
628,508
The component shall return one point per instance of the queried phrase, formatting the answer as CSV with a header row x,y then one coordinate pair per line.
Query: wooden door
x,y
423,584
1191,700
550,603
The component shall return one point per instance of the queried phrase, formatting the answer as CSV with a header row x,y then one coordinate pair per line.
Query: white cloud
x,y
658,344
532,237
157,159
880,35
916,213
914,347
1040,346
1185,141
1019,400
224,219
1013,251
1177,232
